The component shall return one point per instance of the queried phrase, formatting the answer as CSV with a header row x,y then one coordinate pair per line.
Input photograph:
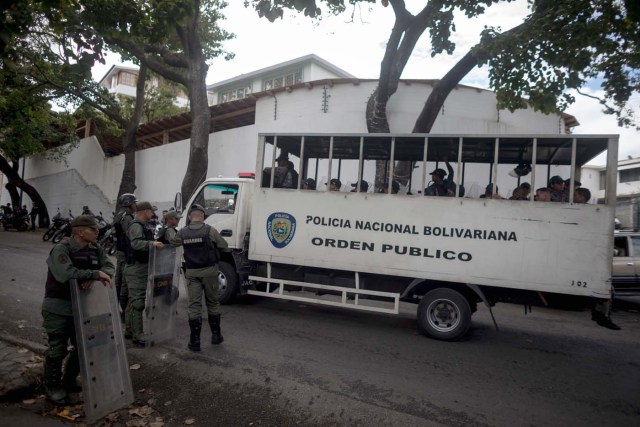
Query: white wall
x,y
315,71
87,178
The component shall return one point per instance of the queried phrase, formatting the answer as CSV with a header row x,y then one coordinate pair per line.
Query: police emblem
x,y
281,228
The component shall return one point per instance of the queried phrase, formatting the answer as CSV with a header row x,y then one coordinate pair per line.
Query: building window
x,y
287,79
128,79
603,180
233,94
630,175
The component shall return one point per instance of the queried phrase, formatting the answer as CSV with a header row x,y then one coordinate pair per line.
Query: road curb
x,y
20,368
38,349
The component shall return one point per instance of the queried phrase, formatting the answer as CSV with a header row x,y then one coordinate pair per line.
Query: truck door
x,y
219,201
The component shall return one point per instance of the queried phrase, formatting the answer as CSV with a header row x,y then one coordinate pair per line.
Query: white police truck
x,y
372,248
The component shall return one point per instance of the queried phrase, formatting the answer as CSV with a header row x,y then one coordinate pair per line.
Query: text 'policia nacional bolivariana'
x,y
399,228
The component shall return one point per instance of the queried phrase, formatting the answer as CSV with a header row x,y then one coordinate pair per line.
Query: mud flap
x,y
104,368
162,294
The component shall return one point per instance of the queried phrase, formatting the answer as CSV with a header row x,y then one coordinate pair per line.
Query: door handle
x,y
226,233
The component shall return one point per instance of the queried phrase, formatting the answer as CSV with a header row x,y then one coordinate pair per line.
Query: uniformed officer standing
x,y
136,271
121,222
168,230
81,258
201,243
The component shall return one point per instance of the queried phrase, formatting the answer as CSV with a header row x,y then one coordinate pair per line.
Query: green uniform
x,y
136,275
66,261
121,286
201,280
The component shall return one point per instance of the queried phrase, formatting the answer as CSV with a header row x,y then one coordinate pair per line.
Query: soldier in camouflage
x,y
136,272
121,223
201,243
81,258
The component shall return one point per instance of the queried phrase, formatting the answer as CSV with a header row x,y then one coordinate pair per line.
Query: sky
x,y
355,42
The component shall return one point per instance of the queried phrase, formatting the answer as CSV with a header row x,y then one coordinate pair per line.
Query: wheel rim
x,y
443,315
222,283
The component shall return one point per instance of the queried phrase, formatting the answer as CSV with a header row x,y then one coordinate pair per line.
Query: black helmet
x,y
127,199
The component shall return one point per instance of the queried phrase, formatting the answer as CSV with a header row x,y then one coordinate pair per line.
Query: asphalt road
x,y
286,363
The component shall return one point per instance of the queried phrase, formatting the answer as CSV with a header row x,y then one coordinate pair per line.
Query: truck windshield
x,y
218,198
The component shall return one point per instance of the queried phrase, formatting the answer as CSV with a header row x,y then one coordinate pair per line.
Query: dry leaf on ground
x,y
189,421
134,366
143,411
29,401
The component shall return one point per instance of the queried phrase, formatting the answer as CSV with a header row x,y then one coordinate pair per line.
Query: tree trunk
x,y
128,181
200,113
406,31
441,91
15,181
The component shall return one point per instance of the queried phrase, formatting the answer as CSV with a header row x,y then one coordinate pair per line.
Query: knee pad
x,y
137,304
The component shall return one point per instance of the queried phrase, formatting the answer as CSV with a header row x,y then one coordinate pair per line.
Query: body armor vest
x,y
199,250
133,256
84,259
162,235
121,233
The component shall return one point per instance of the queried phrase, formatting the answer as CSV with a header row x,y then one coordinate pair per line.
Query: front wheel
x,y
49,233
444,314
228,283
59,235
112,247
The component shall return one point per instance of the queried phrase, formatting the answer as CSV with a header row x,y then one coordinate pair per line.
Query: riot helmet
x,y
127,199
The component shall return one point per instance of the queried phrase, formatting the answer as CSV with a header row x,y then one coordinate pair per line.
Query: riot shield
x,y
162,294
104,369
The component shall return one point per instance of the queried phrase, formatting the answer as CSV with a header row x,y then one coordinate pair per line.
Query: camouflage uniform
x,y
202,276
136,273
121,223
66,261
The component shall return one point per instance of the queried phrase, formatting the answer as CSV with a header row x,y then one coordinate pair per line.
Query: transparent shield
x,y
104,369
162,295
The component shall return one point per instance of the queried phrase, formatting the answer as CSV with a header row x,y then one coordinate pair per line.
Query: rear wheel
x,y
49,233
444,314
228,282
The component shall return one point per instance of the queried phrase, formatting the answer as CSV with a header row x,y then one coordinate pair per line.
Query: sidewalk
x,y
20,376
20,371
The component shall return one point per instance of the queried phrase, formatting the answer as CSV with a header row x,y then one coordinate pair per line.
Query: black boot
x,y
52,382
216,335
604,321
194,340
71,372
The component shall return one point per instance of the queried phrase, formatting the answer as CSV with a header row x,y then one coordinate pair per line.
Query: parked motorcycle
x,y
17,220
106,235
64,230
56,224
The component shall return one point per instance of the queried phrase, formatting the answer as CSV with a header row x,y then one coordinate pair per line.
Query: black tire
x,y
49,233
21,226
59,235
112,248
228,280
444,314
